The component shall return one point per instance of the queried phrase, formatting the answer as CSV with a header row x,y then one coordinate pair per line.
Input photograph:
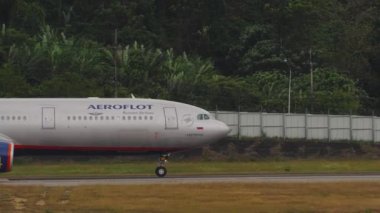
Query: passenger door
x,y
48,118
171,121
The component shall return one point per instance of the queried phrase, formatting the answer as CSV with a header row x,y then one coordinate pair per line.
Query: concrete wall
x,y
306,126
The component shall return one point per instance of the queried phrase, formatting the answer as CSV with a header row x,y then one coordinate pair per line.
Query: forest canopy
x,y
217,54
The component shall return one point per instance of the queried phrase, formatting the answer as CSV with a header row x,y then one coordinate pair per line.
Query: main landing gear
x,y
161,169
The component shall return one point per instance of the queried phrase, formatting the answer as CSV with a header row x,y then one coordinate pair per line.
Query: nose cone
x,y
225,129
214,131
222,130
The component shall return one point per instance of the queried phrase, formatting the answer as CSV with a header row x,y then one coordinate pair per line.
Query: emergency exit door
x,y
48,118
171,121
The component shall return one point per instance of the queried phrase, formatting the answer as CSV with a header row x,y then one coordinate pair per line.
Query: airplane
x,y
132,125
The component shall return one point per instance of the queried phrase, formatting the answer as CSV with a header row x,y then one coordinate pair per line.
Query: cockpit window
x,y
203,117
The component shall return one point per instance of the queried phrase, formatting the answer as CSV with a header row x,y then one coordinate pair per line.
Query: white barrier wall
x,y
307,126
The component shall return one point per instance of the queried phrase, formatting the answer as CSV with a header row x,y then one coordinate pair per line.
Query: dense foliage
x,y
227,54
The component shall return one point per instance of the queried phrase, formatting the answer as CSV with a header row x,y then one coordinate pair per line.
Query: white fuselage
x,y
123,124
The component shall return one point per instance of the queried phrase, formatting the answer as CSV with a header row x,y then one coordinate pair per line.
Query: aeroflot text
x,y
120,106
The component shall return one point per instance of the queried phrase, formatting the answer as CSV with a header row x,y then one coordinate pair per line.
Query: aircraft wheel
x,y
161,171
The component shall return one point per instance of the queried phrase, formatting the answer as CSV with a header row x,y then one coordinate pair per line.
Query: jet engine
x,y
6,156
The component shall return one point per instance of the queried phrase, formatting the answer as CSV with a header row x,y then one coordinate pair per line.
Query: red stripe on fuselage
x,y
91,148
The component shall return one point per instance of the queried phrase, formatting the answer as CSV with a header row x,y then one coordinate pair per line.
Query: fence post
x,y
238,124
373,128
351,133
283,126
306,126
328,127
261,125
216,112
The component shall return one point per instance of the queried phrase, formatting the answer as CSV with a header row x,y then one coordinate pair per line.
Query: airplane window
x,y
74,118
123,118
145,117
24,118
18,117
151,117
112,117
79,118
129,117
101,117
68,117
140,118
84,117
107,118
13,118
90,118
96,118
2,117
203,117
134,117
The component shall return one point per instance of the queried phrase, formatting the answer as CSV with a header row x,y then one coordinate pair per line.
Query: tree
x,y
271,88
228,93
12,83
189,50
78,87
333,92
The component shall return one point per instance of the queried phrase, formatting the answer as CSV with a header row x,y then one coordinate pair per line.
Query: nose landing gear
x,y
161,169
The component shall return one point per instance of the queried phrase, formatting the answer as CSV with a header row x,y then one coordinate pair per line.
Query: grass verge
x,y
110,167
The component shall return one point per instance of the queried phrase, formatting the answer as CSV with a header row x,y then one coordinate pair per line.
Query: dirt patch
x,y
40,203
19,203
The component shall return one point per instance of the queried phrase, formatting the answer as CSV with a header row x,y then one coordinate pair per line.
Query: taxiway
x,y
276,178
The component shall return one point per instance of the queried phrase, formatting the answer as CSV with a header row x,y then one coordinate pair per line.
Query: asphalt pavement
x,y
193,179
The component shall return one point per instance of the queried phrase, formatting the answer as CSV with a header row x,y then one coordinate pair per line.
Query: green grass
x,y
111,167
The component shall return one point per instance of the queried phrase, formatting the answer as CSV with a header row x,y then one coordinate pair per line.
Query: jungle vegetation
x,y
217,54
